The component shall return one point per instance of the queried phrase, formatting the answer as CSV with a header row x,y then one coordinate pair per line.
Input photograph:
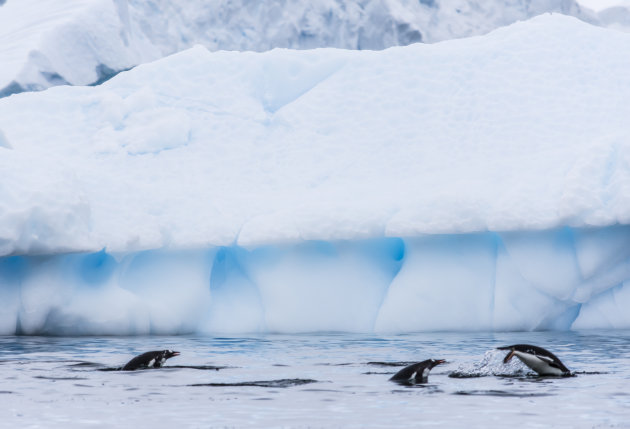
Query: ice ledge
x,y
565,278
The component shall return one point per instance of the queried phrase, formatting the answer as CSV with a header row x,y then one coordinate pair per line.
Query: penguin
x,y
154,359
540,360
417,372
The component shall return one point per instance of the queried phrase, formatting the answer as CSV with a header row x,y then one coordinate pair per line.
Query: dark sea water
x,y
318,380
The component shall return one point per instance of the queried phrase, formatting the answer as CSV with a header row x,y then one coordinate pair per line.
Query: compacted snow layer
x,y
481,183
79,42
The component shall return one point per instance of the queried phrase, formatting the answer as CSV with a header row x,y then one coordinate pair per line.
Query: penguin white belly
x,y
424,375
538,364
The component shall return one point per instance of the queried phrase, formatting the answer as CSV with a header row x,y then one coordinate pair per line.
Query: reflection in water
x,y
502,393
168,367
59,378
269,383
390,363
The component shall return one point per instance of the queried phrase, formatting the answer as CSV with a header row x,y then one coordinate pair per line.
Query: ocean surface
x,y
315,380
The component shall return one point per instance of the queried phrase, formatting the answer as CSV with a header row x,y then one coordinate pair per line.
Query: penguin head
x,y
166,354
435,362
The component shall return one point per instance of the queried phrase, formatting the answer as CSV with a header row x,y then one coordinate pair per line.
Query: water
x,y
319,380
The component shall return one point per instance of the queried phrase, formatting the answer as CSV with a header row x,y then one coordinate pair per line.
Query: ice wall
x,y
558,279
481,183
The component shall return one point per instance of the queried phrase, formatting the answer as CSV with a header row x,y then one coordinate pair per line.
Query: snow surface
x,y
211,149
480,183
45,43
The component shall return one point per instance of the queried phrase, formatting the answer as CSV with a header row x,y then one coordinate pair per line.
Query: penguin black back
x,y
153,359
417,372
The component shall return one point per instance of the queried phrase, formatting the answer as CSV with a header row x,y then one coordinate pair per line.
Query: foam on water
x,y
491,365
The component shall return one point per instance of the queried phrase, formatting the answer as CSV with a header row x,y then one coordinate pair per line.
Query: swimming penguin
x,y
153,359
540,360
417,372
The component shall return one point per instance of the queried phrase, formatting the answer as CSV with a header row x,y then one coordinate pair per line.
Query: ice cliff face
x,y
559,279
45,43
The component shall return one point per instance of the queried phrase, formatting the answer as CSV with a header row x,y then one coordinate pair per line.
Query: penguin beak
x,y
508,357
438,362
174,354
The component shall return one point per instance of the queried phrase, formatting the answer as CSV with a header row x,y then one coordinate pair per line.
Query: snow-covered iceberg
x,y
45,43
480,183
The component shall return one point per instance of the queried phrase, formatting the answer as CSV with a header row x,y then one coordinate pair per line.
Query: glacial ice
x,y
442,282
473,184
45,43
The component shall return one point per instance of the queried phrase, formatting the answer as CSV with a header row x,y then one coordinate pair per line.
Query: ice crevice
x,y
474,281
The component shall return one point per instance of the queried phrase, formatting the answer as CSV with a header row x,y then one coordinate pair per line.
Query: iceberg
x,y
472,184
45,43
